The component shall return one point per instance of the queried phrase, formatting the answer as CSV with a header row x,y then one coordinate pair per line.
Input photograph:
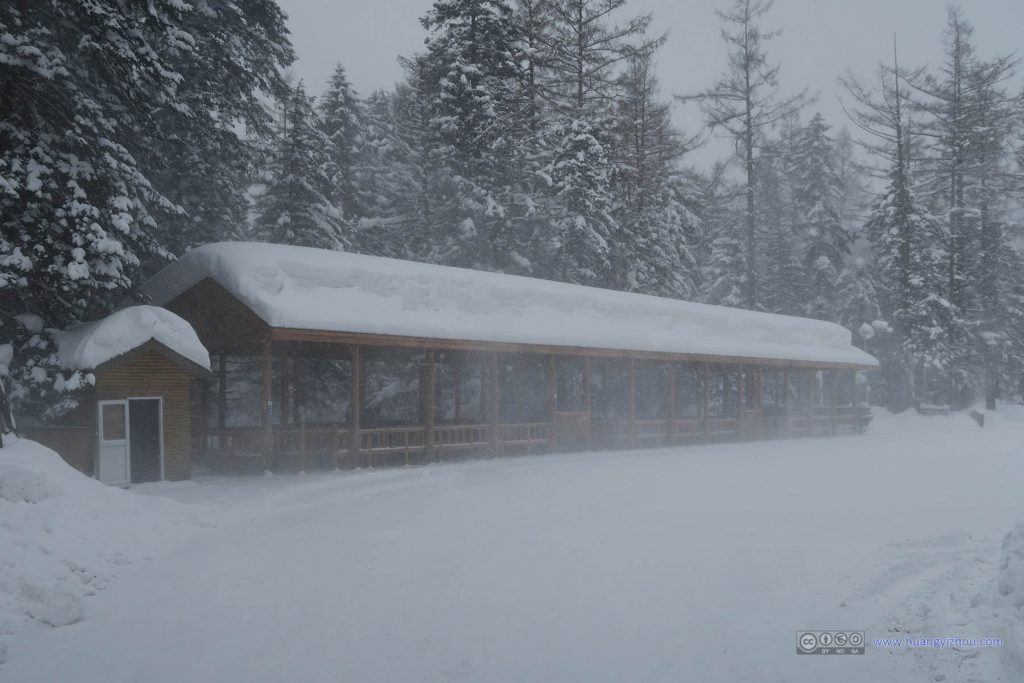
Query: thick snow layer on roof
x,y
88,345
315,289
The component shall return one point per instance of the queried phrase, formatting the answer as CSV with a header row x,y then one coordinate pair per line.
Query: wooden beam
x,y
222,391
705,385
551,373
356,404
632,400
428,396
741,391
671,405
493,403
267,401
457,390
366,339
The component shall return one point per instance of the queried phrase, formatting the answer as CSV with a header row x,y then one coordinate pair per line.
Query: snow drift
x,y
1010,590
63,535
318,289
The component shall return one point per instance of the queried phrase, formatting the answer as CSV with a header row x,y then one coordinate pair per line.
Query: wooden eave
x,y
285,334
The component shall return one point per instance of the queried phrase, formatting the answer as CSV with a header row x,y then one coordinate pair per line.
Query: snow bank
x,y
63,535
303,288
1010,589
86,346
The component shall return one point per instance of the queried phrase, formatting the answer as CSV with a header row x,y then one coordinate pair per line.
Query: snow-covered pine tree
x,y
77,211
909,255
651,250
965,117
745,103
580,173
295,207
855,296
342,121
579,54
470,56
725,273
824,242
782,273
400,169
582,50
994,188
218,125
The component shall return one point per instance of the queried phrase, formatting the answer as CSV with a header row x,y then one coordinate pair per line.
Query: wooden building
x,y
133,423
350,360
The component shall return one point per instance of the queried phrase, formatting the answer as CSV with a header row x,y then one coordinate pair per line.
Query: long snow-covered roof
x,y
317,289
86,346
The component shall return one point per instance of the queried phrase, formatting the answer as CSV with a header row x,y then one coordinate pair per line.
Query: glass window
x,y
114,422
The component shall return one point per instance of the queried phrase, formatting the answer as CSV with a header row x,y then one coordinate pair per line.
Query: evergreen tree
x,y
783,283
295,207
581,50
856,298
471,57
342,121
907,246
218,125
650,250
401,168
725,273
578,249
817,194
77,211
745,104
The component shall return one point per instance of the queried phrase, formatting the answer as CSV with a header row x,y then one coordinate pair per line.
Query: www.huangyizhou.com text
x,y
957,642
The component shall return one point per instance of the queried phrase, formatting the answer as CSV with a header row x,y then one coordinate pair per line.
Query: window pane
x,y
113,422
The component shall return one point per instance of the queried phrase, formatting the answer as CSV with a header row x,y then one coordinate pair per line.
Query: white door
x,y
113,463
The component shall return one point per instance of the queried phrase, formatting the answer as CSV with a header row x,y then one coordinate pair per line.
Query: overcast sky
x,y
820,39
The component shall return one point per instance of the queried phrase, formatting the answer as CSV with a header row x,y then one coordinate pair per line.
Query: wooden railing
x,y
331,446
236,441
461,436
525,434
687,428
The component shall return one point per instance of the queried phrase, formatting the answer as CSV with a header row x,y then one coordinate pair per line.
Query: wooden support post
x,y
741,390
457,389
493,404
705,387
832,398
632,402
671,406
355,404
552,391
334,443
267,402
222,393
588,402
285,411
428,395
784,405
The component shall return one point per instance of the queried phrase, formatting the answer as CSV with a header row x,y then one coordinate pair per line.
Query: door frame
x,y
160,427
127,438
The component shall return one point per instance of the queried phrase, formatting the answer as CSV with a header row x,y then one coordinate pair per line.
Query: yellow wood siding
x,y
152,375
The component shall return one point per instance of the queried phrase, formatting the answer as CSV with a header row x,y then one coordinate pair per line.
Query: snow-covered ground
x,y
689,564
